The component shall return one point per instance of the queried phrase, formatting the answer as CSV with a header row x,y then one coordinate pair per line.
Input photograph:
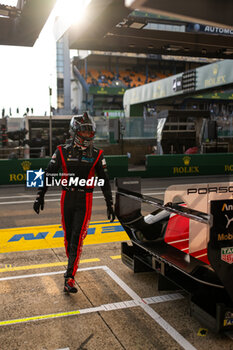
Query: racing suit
x,y
76,201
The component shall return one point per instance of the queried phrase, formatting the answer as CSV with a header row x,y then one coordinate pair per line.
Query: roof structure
x,y
110,25
211,12
21,25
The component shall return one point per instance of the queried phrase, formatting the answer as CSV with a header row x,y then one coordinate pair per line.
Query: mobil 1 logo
x,y
221,232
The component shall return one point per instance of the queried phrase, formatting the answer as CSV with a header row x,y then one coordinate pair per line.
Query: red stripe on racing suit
x,y
86,221
63,194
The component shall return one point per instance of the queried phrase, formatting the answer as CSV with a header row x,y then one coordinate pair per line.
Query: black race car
x,y
187,239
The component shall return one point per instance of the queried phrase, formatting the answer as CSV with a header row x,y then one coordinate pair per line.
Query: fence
x,y
139,128
21,152
130,128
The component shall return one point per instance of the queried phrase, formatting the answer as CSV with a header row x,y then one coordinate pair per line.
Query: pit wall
x,y
14,171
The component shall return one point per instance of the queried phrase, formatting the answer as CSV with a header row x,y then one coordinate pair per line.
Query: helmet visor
x,y
86,134
86,127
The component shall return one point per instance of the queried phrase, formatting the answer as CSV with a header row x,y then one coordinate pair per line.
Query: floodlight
x,y
71,11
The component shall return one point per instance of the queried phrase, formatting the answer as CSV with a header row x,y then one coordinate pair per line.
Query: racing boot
x,y
69,285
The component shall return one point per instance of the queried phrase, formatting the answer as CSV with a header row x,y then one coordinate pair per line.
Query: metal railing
x,y
22,152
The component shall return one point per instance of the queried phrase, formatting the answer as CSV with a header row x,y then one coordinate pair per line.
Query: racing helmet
x,y
82,129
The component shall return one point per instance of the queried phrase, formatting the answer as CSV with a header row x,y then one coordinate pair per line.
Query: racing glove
x,y
110,212
39,204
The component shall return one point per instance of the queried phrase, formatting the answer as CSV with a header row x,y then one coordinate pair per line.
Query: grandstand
x,y
124,78
102,78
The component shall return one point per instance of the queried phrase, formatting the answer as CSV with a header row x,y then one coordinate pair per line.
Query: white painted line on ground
x,y
163,298
137,301
164,324
30,276
29,196
59,193
47,200
101,308
31,201
55,199
168,328
47,273
34,195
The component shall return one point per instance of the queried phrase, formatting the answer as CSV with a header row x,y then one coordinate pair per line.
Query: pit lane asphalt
x,y
123,328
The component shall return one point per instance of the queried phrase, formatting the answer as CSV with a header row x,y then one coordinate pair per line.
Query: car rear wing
x,y
210,231
170,207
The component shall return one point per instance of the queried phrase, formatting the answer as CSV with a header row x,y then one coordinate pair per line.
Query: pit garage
x,y
114,307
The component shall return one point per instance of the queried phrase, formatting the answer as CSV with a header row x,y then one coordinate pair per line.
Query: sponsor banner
x,y
215,96
187,168
196,27
97,90
52,236
189,165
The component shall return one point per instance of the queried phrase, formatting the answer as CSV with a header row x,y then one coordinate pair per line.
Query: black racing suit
x,y
76,201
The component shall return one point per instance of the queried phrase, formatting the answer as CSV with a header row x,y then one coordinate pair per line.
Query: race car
x,y
187,239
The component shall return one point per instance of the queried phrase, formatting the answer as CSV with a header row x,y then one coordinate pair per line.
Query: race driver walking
x,y
80,158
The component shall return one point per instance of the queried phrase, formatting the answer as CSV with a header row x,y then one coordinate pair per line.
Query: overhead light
x,y
128,3
228,51
173,48
131,45
122,24
71,12
8,9
164,27
9,2
150,47
4,13
137,25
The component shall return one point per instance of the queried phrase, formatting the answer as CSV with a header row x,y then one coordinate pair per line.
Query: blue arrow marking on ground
x,y
42,235
28,236
60,234
91,231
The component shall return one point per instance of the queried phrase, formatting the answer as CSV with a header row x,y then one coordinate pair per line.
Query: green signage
x,y
97,90
14,171
215,74
215,96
